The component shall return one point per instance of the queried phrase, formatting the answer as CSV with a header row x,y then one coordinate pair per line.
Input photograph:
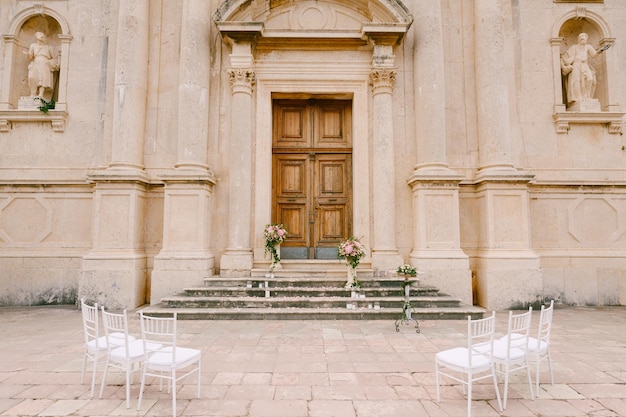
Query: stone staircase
x,y
295,293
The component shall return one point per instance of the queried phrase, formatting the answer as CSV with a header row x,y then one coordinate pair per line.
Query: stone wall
x,y
125,191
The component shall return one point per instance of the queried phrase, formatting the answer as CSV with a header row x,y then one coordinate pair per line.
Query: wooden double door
x,y
312,175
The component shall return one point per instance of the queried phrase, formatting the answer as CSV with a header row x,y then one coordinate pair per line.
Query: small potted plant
x,y
407,270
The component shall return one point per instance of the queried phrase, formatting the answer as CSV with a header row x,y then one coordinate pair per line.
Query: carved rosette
x,y
382,80
242,80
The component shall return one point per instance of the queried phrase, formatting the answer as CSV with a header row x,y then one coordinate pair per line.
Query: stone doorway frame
x,y
330,85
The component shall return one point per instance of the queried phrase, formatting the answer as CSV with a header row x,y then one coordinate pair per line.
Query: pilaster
x,y
237,260
435,188
385,254
114,273
507,269
185,258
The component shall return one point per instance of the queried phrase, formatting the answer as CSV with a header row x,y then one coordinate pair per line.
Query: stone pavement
x,y
312,368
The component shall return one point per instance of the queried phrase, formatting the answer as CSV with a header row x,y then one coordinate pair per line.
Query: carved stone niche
x,y
594,102
17,103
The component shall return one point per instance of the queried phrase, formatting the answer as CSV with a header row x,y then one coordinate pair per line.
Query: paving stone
x,y
312,368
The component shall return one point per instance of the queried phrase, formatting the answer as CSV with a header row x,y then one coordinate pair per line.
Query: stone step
x,y
304,281
430,313
280,291
296,292
305,302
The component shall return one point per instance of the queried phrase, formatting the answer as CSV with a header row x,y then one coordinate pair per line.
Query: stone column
x,y
193,86
494,124
507,269
435,188
385,255
185,258
131,85
114,273
430,88
237,260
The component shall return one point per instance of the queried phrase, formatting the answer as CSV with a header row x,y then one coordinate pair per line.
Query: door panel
x,y
312,176
334,131
291,196
291,122
331,186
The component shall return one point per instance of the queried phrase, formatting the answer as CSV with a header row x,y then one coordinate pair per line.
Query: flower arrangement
x,y
407,269
352,250
275,234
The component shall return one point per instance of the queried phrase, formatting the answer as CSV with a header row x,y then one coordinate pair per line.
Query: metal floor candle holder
x,y
407,310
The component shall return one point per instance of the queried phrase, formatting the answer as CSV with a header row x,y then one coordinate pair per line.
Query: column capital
x,y
382,80
242,80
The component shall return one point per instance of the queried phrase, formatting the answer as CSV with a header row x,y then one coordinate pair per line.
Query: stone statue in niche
x,y
581,76
43,63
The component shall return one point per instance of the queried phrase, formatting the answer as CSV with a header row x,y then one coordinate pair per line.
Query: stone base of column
x,y
508,279
448,270
116,281
236,263
175,271
386,261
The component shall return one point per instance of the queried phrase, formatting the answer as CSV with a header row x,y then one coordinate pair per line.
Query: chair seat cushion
x,y
517,339
117,339
164,357
500,348
458,358
536,346
135,350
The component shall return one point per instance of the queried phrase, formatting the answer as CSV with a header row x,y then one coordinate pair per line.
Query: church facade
x,y
146,144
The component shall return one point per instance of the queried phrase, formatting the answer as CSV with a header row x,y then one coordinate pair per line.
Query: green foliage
x,y
45,105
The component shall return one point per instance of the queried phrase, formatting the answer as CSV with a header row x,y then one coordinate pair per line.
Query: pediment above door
x,y
314,19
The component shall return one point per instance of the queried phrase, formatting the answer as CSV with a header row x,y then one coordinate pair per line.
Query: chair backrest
x,y
116,330
545,323
90,323
158,333
480,336
519,330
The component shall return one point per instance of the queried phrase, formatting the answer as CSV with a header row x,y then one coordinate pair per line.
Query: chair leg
x,y
495,385
104,378
530,381
82,381
437,381
537,367
128,374
198,379
550,367
506,386
469,397
174,392
93,375
143,383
